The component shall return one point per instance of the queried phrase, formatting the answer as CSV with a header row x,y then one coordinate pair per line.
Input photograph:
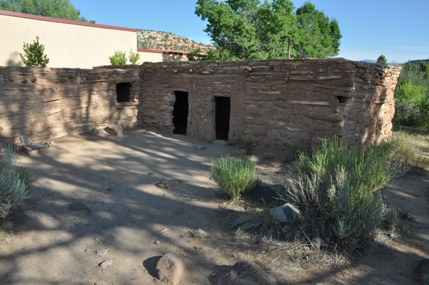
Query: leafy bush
x,y
234,176
34,54
119,58
336,190
412,105
14,182
134,57
412,96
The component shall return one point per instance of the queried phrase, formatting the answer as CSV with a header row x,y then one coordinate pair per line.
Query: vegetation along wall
x,y
278,103
47,103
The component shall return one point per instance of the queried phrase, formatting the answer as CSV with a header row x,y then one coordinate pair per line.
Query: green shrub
x,y
34,54
336,190
412,96
234,176
134,57
14,182
412,105
119,58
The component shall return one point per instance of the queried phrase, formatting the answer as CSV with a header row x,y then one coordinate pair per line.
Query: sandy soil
x,y
95,199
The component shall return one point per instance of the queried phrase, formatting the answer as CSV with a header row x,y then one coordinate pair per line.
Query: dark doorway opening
x,y
223,110
180,113
123,92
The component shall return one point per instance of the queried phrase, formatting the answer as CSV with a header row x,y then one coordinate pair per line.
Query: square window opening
x,y
123,92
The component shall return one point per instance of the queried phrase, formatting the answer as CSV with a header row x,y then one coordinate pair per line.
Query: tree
x,y
61,9
408,65
247,29
319,36
34,54
382,60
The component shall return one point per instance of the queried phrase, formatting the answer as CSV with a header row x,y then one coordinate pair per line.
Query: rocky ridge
x,y
157,40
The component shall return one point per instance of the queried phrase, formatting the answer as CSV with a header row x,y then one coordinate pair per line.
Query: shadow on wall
x,y
14,60
46,103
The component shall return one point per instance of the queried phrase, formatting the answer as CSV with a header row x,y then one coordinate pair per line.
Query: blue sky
x,y
396,28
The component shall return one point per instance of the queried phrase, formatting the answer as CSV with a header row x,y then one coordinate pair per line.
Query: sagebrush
x,y
234,176
14,181
336,188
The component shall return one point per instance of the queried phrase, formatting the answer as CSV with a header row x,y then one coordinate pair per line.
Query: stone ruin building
x,y
282,104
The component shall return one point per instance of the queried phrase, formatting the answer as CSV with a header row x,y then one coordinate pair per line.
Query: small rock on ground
x,y
285,213
101,132
25,140
114,130
106,263
102,252
169,185
198,233
170,269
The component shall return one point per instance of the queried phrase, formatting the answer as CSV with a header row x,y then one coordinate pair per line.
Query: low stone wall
x,y
276,103
282,104
47,103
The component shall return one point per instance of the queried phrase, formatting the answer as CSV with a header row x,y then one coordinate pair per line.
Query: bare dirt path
x,y
57,237
95,199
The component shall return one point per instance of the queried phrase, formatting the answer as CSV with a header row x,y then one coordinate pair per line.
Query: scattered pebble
x,y
106,263
102,252
198,233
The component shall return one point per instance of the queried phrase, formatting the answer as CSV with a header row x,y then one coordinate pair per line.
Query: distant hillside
x,y
374,61
149,39
418,61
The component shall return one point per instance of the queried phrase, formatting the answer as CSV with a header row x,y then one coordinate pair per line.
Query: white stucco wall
x,y
67,43
146,56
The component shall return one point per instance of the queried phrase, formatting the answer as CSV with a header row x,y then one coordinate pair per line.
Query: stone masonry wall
x,y
47,103
276,103
285,104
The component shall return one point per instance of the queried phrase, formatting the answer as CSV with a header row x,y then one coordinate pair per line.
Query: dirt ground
x,y
94,199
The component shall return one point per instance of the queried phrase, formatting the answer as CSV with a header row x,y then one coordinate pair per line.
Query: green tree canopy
x,y
382,60
247,29
61,9
408,66
319,36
